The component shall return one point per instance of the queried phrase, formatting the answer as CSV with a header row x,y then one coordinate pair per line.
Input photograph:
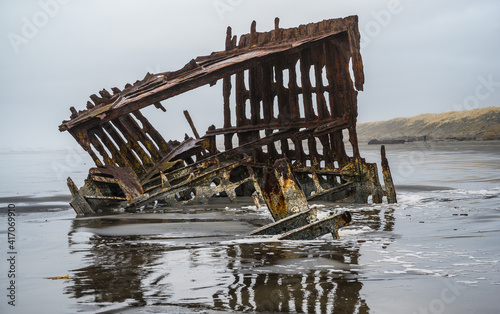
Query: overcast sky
x,y
419,56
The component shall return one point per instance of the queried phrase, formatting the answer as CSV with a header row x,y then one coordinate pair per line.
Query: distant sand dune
x,y
476,124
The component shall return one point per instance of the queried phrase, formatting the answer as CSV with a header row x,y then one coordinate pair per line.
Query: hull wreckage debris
x,y
288,95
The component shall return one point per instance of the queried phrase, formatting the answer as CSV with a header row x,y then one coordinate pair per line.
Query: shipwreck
x,y
289,97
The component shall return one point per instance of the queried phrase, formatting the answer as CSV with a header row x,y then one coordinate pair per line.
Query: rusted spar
x,y
286,94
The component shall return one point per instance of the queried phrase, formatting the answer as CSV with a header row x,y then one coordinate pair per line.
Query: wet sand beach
x,y
435,251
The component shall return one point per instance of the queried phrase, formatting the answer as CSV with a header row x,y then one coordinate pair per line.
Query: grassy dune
x,y
476,124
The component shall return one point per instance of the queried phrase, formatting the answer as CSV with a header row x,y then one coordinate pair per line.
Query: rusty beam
x,y
316,229
287,224
390,191
191,124
192,180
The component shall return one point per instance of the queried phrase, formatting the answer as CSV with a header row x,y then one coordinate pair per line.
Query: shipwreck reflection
x,y
276,277
312,292
209,270
115,266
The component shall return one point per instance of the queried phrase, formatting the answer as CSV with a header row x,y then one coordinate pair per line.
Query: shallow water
x,y
436,251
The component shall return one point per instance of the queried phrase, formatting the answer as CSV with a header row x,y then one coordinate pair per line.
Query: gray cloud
x,y
427,57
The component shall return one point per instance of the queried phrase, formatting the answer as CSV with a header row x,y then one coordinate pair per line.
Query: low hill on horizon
x,y
477,124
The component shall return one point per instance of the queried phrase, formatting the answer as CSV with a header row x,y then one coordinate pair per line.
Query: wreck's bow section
x,y
287,94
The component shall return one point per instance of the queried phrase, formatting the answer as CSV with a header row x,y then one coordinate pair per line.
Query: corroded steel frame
x,y
287,93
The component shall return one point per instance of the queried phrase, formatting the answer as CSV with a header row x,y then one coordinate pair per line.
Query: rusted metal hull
x,y
286,94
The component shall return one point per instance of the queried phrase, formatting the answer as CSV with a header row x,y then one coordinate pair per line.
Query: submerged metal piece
x,y
287,224
286,93
330,224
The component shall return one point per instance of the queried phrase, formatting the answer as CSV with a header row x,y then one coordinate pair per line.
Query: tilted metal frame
x,y
290,93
